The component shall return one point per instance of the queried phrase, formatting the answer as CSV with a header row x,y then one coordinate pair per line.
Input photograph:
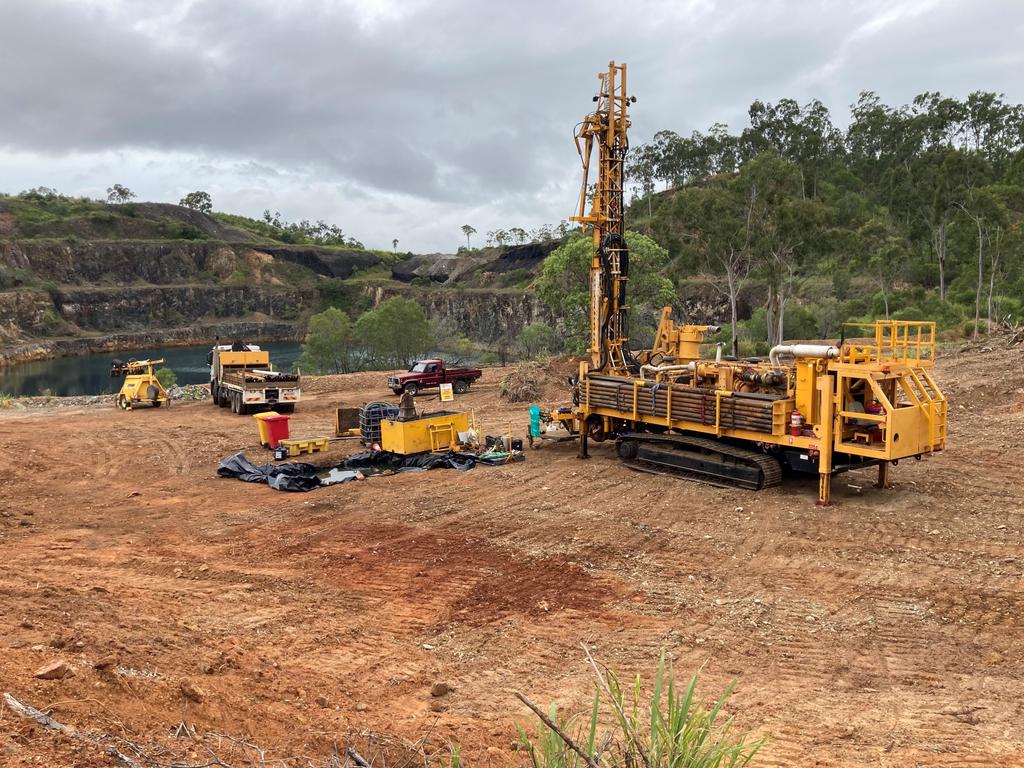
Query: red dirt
x,y
885,630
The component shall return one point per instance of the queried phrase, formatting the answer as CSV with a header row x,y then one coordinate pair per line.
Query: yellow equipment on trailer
x,y
821,408
140,384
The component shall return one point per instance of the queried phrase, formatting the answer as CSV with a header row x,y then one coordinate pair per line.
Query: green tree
x,y
715,224
781,222
330,344
394,333
989,219
467,231
883,254
197,201
536,339
167,377
564,282
118,194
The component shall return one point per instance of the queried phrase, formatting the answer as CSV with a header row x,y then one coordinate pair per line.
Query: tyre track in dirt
x,y
368,593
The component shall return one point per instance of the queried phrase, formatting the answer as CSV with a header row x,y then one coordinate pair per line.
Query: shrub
x,y
166,377
523,384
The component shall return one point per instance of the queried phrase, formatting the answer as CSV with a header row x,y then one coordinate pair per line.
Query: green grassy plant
x,y
669,727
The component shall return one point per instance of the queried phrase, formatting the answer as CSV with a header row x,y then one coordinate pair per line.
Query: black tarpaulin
x,y
294,476
299,476
380,462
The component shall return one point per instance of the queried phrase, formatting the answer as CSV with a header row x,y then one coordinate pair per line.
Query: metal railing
x,y
909,342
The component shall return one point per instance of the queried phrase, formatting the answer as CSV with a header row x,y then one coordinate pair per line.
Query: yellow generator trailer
x,y
140,384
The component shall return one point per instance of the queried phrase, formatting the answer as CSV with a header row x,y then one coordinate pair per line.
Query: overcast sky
x,y
408,118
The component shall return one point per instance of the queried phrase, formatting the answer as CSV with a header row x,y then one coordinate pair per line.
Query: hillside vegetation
x,y
910,212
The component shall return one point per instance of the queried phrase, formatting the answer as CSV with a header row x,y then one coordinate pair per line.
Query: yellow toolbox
x,y
429,432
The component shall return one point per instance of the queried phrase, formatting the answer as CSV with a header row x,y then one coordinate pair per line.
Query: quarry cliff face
x,y
61,298
69,298
484,316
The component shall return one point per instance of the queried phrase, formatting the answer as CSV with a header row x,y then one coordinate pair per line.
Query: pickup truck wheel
x,y
411,388
397,391
460,387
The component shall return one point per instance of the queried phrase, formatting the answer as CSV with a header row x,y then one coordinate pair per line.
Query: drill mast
x,y
606,127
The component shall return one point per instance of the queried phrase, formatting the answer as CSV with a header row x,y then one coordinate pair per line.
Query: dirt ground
x,y
887,630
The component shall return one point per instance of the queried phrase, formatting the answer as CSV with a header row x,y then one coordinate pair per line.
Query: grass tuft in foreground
x,y
667,728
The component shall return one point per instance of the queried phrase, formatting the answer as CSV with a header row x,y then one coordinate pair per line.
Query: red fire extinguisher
x,y
796,423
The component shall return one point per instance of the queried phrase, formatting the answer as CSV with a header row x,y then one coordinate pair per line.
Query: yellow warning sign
x,y
446,393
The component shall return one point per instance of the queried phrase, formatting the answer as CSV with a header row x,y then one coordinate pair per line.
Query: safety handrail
x,y
889,341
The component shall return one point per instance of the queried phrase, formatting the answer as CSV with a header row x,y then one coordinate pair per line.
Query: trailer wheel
x,y
460,387
284,408
412,388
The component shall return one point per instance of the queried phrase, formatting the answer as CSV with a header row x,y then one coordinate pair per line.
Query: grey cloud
x,y
442,108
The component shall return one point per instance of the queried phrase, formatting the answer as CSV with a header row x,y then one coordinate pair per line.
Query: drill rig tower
x,y
607,128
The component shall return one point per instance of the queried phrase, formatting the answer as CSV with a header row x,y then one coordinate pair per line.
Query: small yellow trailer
x,y
140,384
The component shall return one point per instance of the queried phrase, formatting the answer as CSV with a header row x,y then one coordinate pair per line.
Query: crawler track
x,y
702,459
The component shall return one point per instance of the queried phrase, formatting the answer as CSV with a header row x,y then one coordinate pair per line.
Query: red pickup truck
x,y
425,374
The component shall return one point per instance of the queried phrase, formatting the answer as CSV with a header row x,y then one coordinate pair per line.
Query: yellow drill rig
x,y
822,408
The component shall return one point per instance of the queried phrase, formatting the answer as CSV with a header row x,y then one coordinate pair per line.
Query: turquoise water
x,y
90,374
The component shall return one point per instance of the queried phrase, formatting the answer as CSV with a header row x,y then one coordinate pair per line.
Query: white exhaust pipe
x,y
825,351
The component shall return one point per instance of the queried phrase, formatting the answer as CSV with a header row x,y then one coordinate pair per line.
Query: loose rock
x,y
191,692
55,670
440,689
